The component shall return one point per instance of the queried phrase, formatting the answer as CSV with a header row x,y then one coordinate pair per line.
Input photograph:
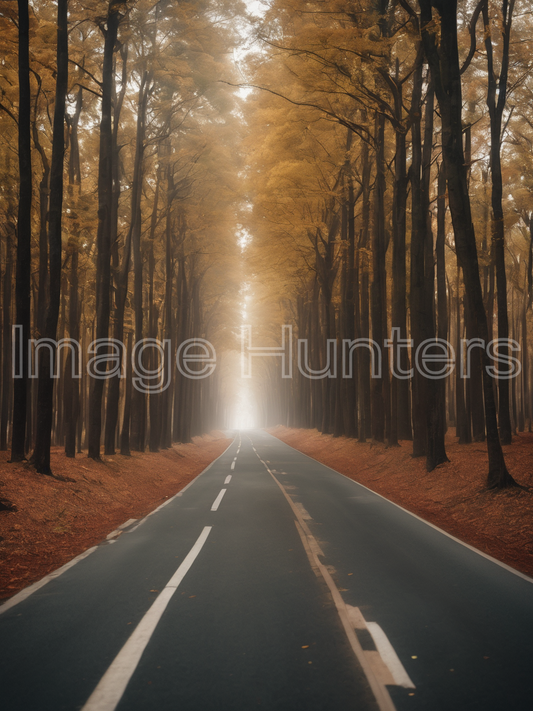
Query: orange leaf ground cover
x,y
453,496
56,520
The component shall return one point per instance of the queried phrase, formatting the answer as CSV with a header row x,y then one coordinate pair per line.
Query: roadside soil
x,y
453,496
52,520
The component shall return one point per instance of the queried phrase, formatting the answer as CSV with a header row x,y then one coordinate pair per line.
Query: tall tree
x,y
105,207
45,397
23,274
443,59
496,101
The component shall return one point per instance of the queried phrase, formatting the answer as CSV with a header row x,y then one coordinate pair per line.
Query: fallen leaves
x,y
60,517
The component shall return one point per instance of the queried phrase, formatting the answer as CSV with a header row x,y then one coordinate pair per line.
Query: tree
x,y
23,303
45,403
105,198
443,60
496,100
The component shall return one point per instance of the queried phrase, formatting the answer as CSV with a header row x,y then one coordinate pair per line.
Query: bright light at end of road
x,y
244,417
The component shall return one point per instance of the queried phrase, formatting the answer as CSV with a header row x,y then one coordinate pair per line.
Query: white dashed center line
x,y
227,479
217,501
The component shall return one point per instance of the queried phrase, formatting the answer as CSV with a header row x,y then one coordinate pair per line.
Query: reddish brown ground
x,y
452,497
56,520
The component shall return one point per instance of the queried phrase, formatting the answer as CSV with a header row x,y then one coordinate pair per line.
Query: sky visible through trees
x,y
185,186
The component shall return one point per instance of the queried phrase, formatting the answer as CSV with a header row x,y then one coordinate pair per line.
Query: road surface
x,y
272,582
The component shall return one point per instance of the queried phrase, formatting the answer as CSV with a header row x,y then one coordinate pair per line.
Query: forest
x,y
174,173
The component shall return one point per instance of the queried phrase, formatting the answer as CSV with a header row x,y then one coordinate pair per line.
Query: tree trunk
x,y
156,399
400,414
7,379
72,392
364,381
138,417
72,386
444,63
125,433
44,194
23,275
121,273
379,276
442,298
103,236
417,277
45,395
496,99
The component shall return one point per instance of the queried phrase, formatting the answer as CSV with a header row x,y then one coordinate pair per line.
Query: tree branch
x,y
472,30
9,113
86,71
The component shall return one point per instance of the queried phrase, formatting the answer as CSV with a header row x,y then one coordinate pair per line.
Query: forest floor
x,y
453,496
55,519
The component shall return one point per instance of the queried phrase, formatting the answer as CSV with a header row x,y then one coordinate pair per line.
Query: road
x,y
272,582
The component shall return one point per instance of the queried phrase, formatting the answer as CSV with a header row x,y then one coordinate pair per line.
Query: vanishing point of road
x,y
272,582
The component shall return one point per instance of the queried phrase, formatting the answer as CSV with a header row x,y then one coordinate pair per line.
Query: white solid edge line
x,y
509,569
23,594
389,656
227,479
26,592
112,685
216,502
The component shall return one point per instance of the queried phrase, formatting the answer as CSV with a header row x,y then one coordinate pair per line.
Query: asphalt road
x,y
273,582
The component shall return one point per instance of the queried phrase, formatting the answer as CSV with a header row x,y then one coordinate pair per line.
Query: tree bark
x,y
496,100
7,379
23,273
156,400
444,63
45,395
72,386
417,276
401,411
103,236
126,415
379,276
121,273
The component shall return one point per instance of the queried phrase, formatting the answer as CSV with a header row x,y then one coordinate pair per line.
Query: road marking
x,y
356,617
227,479
375,681
376,684
180,493
509,569
23,594
232,465
385,649
118,531
26,592
389,656
112,685
303,513
379,668
217,501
